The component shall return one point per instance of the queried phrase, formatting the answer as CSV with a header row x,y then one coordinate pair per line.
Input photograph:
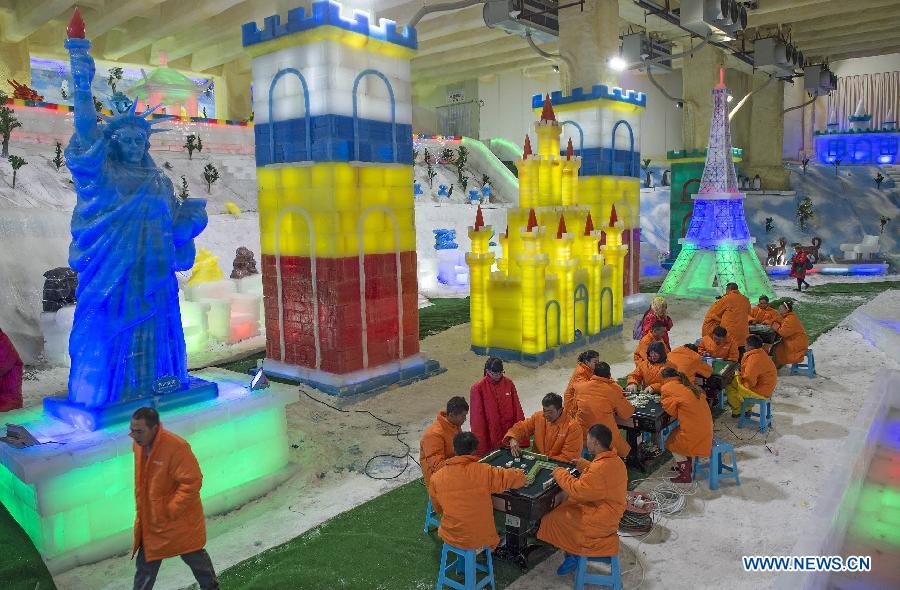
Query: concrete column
x,y
589,38
763,154
700,73
15,64
233,93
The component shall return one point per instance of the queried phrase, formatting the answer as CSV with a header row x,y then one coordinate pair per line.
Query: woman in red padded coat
x,y
493,408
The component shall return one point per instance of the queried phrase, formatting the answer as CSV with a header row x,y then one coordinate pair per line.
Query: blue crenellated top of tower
x,y
328,13
597,91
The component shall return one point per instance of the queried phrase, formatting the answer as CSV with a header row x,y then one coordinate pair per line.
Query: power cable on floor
x,y
407,455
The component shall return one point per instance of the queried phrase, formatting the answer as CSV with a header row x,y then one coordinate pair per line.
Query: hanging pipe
x,y
741,102
659,58
800,106
445,7
570,67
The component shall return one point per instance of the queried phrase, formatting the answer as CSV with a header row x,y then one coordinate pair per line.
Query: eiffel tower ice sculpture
x,y
717,248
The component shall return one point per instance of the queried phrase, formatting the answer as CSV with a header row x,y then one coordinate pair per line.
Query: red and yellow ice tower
x,y
559,283
331,97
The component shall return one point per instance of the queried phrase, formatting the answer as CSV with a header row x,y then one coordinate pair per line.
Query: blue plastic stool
x,y
763,416
722,400
665,432
465,564
431,519
809,365
613,579
721,471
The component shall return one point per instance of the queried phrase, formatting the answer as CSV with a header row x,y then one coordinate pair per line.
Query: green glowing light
x,y
72,513
700,273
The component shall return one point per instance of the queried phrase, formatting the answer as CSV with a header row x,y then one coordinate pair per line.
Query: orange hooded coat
x,y
647,374
768,316
599,401
581,373
694,434
794,341
560,440
169,520
732,312
689,362
461,493
587,521
436,445
640,352
728,350
758,372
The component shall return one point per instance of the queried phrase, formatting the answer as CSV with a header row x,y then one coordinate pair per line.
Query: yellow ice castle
x,y
559,283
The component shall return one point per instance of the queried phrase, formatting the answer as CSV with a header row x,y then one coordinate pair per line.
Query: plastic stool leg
x,y
615,572
715,467
442,573
580,572
471,574
490,567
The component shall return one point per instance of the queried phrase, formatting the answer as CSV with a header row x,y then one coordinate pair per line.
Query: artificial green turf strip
x,y
377,545
21,566
441,315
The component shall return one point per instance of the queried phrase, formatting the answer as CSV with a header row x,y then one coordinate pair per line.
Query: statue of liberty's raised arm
x,y
129,237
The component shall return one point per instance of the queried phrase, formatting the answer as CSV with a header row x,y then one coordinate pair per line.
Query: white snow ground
x,y
781,473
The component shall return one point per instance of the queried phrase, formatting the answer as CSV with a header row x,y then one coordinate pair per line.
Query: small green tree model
x,y
192,144
8,122
805,213
428,158
464,181
486,180
183,191
210,175
114,77
462,156
58,159
804,163
879,178
770,224
645,166
16,162
447,156
884,221
837,165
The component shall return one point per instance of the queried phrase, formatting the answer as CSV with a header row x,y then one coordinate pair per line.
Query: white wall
x,y
507,108
866,65
507,104
660,121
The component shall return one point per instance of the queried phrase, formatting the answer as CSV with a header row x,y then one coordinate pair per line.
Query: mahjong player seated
x,y
555,434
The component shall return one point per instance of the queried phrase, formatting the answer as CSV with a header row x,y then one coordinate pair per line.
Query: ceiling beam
x,y
825,24
116,14
861,30
470,65
767,6
210,57
31,15
451,78
834,7
836,43
866,53
454,42
474,52
176,16
445,24
881,46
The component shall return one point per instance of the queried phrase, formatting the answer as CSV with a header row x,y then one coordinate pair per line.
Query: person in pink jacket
x,y
10,375
494,408
658,312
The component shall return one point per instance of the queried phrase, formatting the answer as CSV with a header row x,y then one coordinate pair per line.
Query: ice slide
x,y
506,185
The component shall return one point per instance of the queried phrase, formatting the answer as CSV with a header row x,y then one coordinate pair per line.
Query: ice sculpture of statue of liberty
x,y
129,237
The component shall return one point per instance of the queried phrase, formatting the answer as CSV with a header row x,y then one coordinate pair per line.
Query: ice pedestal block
x,y
371,380
75,499
96,418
